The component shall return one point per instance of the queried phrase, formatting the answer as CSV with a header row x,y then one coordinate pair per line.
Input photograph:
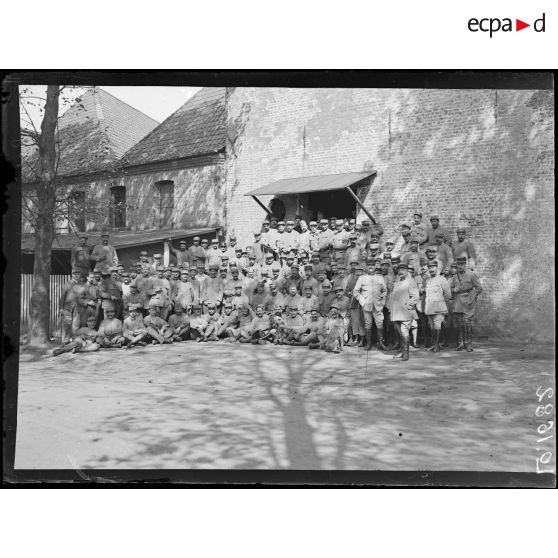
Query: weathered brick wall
x,y
480,158
197,199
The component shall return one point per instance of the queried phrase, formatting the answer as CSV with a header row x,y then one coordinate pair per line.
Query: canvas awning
x,y
304,184
321,183
119,239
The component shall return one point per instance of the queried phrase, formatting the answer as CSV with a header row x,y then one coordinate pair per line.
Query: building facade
x,y
483,159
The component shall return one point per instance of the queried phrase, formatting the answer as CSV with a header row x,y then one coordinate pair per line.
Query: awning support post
x,y
268,211
356,198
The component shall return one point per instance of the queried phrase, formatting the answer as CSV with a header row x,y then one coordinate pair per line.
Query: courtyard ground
x,y
229,406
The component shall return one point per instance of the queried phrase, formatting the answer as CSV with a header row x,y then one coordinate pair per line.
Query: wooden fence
x,y
56,283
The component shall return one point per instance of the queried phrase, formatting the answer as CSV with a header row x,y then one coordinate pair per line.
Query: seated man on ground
x,y
292,327
260,327
228,321
313,324
133,328
110,335
158,331
245,316
179,322
213,319
84,341
198,323
331,336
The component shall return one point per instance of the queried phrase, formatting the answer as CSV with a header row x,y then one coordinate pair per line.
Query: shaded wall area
x,y
479,158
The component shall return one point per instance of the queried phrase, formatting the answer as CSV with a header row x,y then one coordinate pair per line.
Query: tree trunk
x,y
44,226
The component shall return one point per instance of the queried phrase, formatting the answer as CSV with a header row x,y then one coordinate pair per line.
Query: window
x,y
166,203
117,209
76,210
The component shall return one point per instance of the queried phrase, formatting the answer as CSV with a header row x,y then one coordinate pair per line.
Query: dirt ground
x,y
221,405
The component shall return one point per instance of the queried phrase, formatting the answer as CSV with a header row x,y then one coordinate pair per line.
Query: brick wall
x,y
479,158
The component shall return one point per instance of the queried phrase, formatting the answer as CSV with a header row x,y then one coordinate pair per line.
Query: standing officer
x,y
435,228
324,241
419,229
197,253
465,248
370,291
68,301
110,292
404,299
437,292
466,288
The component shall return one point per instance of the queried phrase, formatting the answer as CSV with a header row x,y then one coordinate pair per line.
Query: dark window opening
x,y
117,209
277,207
77,210
166,203
332,203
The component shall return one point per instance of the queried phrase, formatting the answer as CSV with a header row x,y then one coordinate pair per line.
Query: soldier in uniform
x,y
259,329
431,256
158,330
133,328
414,257
274,298
437,292
405,297
182,255
68,301
292,326
228,322
110,335
179,323
84,341
155,264
80,257
435,228
110,292
291,237
308,332
133,298
324,242
197,253
418,230
465,248
212,289
370,292
104,253
339,243
257,297
466,288
184,295
144,263
356,319
330,337
198,323
406,244
443,251
308,302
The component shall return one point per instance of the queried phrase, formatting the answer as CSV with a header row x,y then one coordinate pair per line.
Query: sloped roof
x,y
196,128
94,134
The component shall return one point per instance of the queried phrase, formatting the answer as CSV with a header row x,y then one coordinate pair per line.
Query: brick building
x,y
141,181
479,158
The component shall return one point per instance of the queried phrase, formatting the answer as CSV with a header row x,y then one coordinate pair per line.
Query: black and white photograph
x,y
284,277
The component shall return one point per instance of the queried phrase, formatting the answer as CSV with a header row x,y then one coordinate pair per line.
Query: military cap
x,y
353,236
341,267
358,227
196,238
326,283
406,232
434,218
316,253
432,248
160,268
360,266
125,274
102,269
354,261
157,256
105,235
275,267
374,246
112,269
337,287
390,242
313,224
134,307
352,220
257,233
295,266
385,261
308,266
339,221
290,256
251,256
366,222
237,287
196,307
409,266
109,305
289,222
182,242
273,284
143,253
232,237
224,257
308,287
210,305
168,268
461,230
266,222
432,263
213,266
453,264
439,235
152,304
238,249
228,305
76,270
293,308
418,213
205,240
269,255
214,241
324,221
415,239
395,259
264,272
280,223
461,260
184,271
333,305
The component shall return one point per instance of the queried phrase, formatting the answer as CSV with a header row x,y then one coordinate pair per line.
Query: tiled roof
x,y
94,134
196,128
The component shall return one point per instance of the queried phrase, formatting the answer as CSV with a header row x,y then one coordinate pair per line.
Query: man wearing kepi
x,y
437,292
404,298
466,288
370,291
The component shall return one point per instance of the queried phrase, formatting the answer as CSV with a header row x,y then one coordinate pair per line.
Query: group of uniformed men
x,y
322,285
